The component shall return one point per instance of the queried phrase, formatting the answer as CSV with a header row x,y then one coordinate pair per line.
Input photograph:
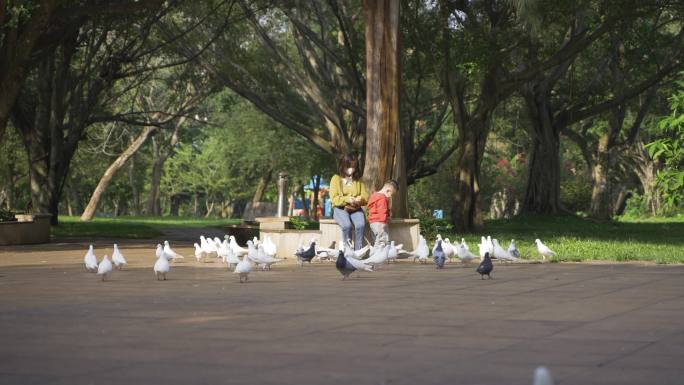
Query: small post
x,y
282,194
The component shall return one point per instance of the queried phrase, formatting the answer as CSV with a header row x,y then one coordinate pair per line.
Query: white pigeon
x,y
105,267
463,242
502,254
230,258
199,252
543,249
393,253
358,264
239,251
379,257
422,251
159,251
542,376
118,258
243,268
484,248
448,249
490,243
512,250
464,254
162,266
90,260
264,259
169,251
270,248
207,246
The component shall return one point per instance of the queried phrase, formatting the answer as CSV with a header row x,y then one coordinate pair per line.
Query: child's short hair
x,y
393,183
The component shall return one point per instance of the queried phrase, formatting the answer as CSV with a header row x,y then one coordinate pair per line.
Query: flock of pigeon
x,y
262,253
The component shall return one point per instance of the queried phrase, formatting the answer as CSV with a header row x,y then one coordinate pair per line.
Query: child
x,y
379,212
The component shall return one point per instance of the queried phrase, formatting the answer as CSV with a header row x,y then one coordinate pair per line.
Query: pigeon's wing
x,y
357,264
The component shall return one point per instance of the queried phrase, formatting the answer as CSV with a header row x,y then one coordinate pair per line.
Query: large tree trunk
x,y
647,172
542,193
466,214
17,49
111,171
384,158
601,192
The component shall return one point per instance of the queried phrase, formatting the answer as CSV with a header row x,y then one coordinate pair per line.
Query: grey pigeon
x,y
343,266
512,250
486,267
438,255
306,255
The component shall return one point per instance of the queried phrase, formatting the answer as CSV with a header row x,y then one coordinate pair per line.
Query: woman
x,y
348,196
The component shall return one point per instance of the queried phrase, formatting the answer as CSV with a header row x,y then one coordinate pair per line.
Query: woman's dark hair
x,y
347,161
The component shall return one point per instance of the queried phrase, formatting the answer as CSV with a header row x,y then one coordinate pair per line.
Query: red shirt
x,y
378,208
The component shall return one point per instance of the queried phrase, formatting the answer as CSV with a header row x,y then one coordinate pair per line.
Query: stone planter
x,y
29,228
286,238
401,231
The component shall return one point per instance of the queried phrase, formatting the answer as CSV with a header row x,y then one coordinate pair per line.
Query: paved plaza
x,y
403,324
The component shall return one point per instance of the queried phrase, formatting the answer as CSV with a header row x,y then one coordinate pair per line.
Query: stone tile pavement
x,y
404,324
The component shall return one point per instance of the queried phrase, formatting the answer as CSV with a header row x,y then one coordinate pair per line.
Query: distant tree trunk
x,y
210,207
161,152
466,214
111,171
135,190
262,186
176,200
542,193
601,192
384,157
647,172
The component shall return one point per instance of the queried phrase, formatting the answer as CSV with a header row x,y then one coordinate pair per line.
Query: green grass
x,y
654,239
129,227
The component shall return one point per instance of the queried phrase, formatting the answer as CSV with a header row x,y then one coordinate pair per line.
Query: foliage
x,y
431,226
300,223
6,215
670,151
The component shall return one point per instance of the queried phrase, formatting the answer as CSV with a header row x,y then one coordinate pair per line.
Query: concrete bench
x,y
401,231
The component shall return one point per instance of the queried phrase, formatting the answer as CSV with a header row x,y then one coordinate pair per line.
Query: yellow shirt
x,y
340,192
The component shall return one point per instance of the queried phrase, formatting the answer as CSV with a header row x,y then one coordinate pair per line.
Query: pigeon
x,y
228,256
243,268
543,249
306,255
208,246
486,267
269,247
542,376
199,253
483,248
239,251
350,263
90,260
448,249
512,250
343,266
422,251
438,255
159,251
162,266
379,257
502,254
264,259
393,253
169,251
464,254
105,267
118,258
463,242
439,238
